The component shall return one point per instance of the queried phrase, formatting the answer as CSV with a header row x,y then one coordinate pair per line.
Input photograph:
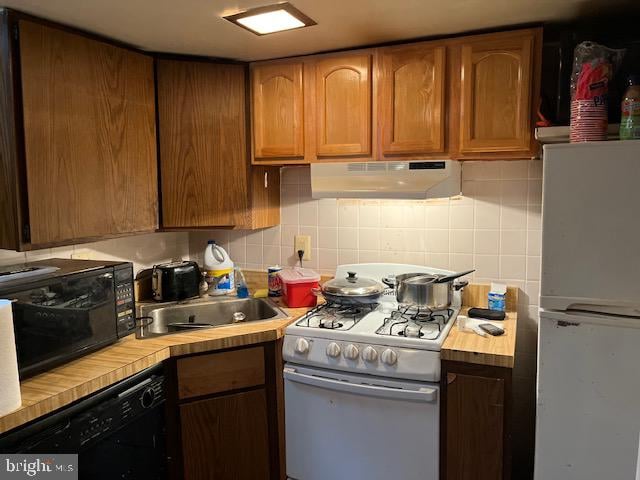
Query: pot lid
x,y
352,286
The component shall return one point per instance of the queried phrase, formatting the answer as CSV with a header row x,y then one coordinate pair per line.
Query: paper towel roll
x,y
9,382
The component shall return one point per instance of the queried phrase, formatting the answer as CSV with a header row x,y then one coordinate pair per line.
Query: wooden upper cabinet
x,y
343,105
203,164
89,136
497,79
206,177
411,100
278,115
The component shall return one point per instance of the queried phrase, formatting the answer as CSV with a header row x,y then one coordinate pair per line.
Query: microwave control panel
x,y
125,302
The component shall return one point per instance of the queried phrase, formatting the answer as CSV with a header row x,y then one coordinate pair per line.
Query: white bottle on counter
x,y
218,269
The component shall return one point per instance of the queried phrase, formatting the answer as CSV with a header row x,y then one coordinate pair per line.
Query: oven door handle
x,y
424,394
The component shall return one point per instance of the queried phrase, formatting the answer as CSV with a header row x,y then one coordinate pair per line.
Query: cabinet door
x,y
265,197
277,110
343,105
226,437
203,163
89,134
412,99
496,94
474,427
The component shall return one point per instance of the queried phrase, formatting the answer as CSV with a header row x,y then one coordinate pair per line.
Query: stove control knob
x,y
369,354
333,350
302,345
351,352
389,357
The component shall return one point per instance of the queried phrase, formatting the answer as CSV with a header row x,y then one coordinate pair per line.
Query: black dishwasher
x,y
118,433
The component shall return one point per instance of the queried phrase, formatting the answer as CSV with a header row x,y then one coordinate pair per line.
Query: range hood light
x,y
271,19
419,179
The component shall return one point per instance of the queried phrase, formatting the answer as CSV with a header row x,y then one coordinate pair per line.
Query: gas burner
x,y
331,324
412,331
335,316
413,322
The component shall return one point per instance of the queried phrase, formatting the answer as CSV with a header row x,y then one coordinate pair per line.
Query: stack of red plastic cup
x,y
588,121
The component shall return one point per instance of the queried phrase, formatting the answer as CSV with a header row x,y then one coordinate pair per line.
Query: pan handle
x,y
460,285
389,281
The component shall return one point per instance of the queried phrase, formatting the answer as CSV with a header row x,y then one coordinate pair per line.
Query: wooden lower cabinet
x,y
226,437
475,434
224,415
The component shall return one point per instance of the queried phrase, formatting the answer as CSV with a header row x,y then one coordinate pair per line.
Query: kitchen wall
x,y
494,227
142,250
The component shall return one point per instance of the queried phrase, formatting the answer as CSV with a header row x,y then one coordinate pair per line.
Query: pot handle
x,y
460,285
389,281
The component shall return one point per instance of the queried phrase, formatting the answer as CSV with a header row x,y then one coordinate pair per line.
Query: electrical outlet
x,y
302,242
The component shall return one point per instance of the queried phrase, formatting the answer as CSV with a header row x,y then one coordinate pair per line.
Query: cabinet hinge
x,y
26,234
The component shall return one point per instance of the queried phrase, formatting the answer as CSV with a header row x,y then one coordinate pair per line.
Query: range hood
x,y
416,179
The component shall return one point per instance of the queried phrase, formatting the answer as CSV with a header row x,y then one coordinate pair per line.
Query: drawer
x,y
220,372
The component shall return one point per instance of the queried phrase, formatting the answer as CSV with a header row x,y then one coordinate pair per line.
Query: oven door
x,y
359,427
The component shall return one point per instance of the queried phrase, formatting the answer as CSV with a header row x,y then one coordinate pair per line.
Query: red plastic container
x,y
297,285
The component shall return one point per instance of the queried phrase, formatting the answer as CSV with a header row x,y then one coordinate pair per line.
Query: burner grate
x,y
413,322
336,316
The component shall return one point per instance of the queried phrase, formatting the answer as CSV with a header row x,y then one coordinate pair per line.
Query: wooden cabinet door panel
x,y
475,427
412,99
90,140
226,437
203,164
278,126
496,94
219,372
343,105
265,201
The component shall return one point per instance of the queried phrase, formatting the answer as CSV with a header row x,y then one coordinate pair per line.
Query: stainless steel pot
x,y
424,290
351,290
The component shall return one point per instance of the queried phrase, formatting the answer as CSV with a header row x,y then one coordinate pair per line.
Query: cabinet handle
x,y
451,377
266,179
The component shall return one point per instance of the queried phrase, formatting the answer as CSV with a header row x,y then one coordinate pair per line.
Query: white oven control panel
x,y
358,357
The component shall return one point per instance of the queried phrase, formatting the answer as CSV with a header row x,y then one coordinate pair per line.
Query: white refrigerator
x,y
588,392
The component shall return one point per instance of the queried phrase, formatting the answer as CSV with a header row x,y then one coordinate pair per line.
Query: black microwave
x,y
63,309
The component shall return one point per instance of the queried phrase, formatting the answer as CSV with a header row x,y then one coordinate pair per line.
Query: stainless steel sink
x,y
203,313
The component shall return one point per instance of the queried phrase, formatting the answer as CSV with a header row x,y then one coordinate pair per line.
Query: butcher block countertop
x,y
64,385
61,386
470,347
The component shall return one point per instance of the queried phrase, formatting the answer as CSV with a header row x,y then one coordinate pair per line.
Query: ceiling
x,y
195,26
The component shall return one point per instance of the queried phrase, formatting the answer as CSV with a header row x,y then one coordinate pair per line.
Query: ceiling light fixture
x,y
271,19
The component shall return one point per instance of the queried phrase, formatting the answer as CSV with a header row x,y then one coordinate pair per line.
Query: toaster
x,y
175,281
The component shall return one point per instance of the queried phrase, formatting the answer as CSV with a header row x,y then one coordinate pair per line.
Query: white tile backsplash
x,y
461,241
486,242
369,214
348,238
272,236
494,226
368,239
437,216
513,242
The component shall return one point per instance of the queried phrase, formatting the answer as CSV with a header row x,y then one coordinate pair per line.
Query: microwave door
x,y
63,321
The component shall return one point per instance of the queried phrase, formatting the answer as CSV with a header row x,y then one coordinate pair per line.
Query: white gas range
x,y
362,386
